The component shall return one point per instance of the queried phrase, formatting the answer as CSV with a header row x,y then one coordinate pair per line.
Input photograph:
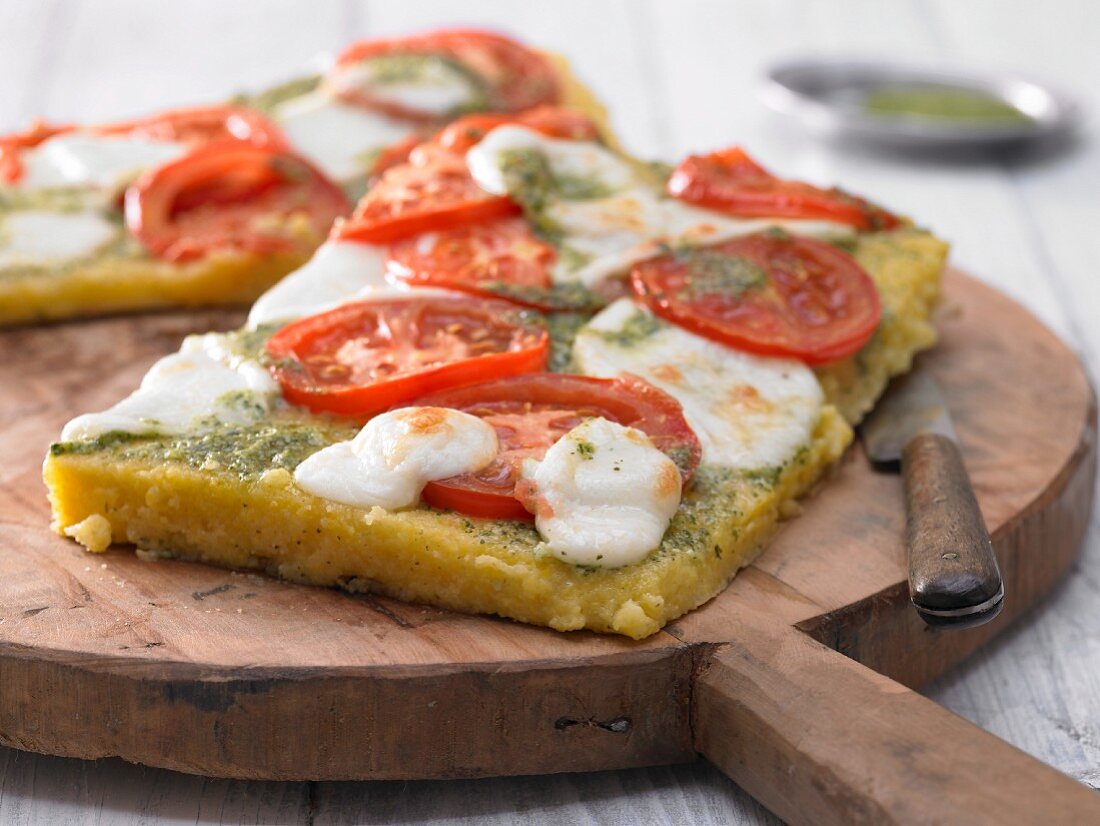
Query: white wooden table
x,y
677,76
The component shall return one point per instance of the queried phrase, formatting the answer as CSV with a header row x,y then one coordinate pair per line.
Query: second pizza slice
x,y
212,205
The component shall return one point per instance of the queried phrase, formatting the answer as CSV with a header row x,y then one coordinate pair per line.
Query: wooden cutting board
x,y
795,681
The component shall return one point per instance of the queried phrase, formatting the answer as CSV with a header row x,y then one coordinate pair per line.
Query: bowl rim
x,y
1049,108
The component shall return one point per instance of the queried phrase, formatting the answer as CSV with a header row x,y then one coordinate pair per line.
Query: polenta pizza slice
x,y
212,205
530,377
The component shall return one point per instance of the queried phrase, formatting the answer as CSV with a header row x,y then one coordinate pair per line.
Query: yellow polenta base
x,y
906,267
419,555
267,523
117,285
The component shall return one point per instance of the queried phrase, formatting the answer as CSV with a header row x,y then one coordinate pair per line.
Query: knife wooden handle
x,y
953,575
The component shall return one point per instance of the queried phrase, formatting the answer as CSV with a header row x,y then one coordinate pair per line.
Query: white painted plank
x,y
31,31
52,791
1060,191
664,796
129,57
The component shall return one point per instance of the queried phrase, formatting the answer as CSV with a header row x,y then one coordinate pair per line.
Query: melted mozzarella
x,y
341,139
612,234
192,389
337,272
603,495
36,237
637,226
431,85
390,460
577,159
618,232
628,224
748,411
85,159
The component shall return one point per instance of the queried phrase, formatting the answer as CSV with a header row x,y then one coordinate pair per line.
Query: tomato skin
x,y
531,412
358,359
12,146
475,503
552,121
194,126
410,199
433,191
201,125
218,197
474,258
396,154
816,303
514,76
730,181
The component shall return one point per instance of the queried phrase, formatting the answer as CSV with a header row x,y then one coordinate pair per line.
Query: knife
x,y
954,580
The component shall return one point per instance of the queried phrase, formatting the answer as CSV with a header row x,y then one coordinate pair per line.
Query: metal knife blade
x,y
913,404
954,580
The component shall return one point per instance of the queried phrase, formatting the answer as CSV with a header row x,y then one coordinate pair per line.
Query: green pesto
x,y
682,456
711,272
532,181
586,450
716,496
563,329
248,403
640,326
249,344
844,243
270,99
247,451
654,174
572,259
564,297
428,69
766,477
941,103
55,199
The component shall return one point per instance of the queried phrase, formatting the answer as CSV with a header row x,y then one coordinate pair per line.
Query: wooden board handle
x,y
953,575
820,739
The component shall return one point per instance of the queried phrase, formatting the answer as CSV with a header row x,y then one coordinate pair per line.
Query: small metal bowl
x,y
829,96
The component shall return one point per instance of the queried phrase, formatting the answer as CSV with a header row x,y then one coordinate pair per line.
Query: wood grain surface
x,y
235,675
678,76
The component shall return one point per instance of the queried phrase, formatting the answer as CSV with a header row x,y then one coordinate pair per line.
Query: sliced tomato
x,y
200,125
552,121
512,76
531,412
13,145
434,190
367,356
769,293
476,258
229,195
413,198
195,127
396,154
732,182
